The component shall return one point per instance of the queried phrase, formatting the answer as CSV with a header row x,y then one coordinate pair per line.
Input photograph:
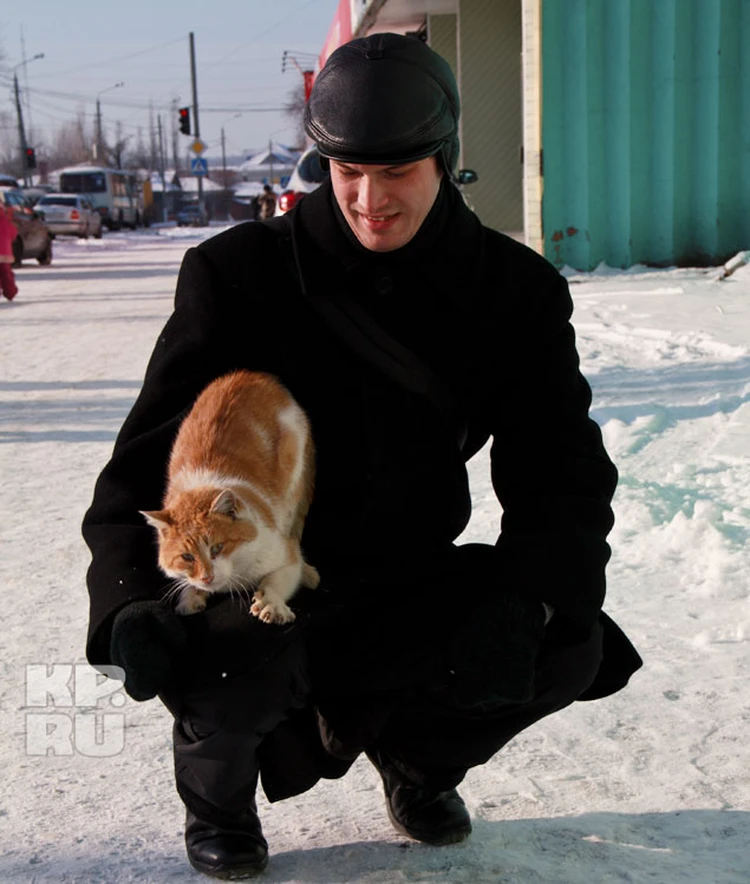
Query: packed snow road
x,y
652,784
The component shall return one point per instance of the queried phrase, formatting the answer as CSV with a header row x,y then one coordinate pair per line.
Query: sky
x,y
650,784
89,47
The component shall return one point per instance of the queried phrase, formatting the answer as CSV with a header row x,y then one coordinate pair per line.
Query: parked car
x,y
34,239
72,213
307,176
192,216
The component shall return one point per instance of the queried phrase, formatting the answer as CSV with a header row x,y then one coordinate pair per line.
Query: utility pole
x,y
99,143
99,136
196,124
161,172
21,133
26,87
224,168
173,132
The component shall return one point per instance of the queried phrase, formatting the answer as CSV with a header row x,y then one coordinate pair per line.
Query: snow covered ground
x,y
651,785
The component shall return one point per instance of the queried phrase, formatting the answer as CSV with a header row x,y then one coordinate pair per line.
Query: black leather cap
x,y
385,99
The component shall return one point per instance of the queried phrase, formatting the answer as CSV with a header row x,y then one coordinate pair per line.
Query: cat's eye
x,y
188,557
216,549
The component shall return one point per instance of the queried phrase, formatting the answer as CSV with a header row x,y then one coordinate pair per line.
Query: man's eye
x,y
188,557
216,549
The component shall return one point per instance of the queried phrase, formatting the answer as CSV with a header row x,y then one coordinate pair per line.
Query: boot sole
x,y
229,873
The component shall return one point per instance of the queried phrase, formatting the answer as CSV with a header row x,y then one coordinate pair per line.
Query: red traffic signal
x,y
30,158
185,120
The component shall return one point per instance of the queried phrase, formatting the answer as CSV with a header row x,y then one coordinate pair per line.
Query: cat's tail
x,y
310,577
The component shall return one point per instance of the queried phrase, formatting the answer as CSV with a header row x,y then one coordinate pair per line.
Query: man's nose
x,y
372,195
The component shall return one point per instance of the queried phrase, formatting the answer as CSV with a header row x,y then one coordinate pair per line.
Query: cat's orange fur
x,y
240,483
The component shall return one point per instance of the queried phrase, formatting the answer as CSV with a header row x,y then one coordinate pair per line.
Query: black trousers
x,y
227,729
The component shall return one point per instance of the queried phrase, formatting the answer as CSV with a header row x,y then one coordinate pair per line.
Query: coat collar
x,y
445,254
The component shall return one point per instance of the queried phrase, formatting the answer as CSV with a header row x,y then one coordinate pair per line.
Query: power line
x,y
145,104
268,30
111,61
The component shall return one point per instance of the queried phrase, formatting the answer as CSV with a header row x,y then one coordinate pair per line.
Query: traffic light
x,y
185,120
30,158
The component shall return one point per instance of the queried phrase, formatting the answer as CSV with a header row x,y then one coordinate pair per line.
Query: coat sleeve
x,y
197,345
550,471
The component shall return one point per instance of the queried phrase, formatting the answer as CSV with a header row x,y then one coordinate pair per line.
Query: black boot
x,y
232,853
427,815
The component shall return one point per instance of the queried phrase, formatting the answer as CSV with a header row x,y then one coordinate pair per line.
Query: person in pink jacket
x,y
8,233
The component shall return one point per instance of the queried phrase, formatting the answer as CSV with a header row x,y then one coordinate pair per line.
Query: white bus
x,y
116,193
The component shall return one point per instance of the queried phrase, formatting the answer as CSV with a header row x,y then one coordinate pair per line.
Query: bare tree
x,y
294,109
141,155
72,143
118,147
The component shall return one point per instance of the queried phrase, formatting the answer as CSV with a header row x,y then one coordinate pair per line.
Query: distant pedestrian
x,y
266,203
8,233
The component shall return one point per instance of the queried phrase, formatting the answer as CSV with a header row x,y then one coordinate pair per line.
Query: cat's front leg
x,y
191,601
269,602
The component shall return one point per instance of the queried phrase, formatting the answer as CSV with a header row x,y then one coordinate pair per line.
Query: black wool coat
x,y
491,319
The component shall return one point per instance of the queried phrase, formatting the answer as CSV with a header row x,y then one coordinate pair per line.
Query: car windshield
x,y
57,201
13,198
78,182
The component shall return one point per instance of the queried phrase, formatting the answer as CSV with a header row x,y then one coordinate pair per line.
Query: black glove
x,y
148,642
493,659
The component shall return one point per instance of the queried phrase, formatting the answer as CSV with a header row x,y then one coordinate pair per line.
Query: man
x,y
266,203
411,335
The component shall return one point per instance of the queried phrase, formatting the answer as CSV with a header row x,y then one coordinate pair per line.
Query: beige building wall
x,y
441,35
533,181
489,74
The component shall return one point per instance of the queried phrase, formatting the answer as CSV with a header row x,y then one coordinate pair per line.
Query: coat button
x,y
384,286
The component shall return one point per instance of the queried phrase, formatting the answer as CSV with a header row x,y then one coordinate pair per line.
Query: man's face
x,y
385,205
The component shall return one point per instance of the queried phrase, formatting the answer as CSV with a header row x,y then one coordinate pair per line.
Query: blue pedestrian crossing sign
x,y
198,166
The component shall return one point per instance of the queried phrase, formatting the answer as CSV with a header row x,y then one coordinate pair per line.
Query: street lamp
x,y
99,143
19,112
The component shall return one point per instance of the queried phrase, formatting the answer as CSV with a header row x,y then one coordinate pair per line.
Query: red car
x,y
34,239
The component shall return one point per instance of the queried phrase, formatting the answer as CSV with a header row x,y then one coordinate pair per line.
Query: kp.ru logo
x,y
69,703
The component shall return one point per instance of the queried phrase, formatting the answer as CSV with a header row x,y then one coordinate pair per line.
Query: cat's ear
x,y
225,504
160,519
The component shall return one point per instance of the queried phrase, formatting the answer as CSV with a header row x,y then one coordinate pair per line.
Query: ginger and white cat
x,y
240,483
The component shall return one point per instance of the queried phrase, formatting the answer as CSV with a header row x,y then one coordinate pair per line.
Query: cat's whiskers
x,y
174,590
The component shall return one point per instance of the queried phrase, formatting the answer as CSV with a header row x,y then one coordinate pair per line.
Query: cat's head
x,y
198,534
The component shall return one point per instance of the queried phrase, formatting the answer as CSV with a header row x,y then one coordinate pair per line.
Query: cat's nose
x,y
208,579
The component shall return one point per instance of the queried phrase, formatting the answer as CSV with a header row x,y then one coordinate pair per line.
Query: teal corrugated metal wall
x,y
645,131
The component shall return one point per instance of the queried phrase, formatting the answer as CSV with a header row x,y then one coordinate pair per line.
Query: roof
x,y
279,157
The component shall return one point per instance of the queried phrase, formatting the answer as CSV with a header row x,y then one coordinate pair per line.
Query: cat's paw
x,y
269,612
310,576
191,602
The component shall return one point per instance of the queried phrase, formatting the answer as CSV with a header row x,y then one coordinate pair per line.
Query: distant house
x,y
273,165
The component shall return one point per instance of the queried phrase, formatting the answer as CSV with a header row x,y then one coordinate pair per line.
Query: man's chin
x,y
374,241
